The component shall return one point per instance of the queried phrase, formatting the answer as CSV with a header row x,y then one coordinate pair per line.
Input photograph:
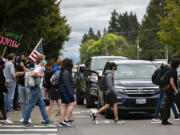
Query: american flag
x,y
38,50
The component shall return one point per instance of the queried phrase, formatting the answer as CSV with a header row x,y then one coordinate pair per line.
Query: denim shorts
x,y
67,98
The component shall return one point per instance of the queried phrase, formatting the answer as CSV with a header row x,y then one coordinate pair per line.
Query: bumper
x,y
146,103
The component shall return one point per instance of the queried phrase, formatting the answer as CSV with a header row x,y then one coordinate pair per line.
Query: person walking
x,y
52,91
110,95
67,91
161,97
172,94
3,90
10,75
23,66
36,93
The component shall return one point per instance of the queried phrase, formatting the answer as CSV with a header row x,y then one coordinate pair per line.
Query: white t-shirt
x,y
38,69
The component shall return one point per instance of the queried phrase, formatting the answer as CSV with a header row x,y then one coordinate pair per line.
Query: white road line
x,y
28,134
80,116
51,126
109,122
18,126
16,130
93,110
13,126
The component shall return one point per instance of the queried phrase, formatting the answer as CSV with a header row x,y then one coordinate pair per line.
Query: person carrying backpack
x,y
110,95
36,93
172,93
162,70
52,90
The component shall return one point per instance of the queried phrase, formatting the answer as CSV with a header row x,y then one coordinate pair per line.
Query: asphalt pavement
x,y
131,124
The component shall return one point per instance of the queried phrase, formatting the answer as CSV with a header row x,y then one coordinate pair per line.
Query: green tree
x,y
113,23
35,19
124,24
110,44
149,41
170,27
84,54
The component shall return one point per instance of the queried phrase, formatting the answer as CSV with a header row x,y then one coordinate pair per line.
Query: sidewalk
x,y
35,116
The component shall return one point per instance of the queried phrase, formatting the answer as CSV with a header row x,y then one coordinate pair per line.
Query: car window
x,y
133,71
98,64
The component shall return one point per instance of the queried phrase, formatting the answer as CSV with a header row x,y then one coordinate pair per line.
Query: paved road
x,y
134,124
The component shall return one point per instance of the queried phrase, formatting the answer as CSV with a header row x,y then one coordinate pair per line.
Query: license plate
x,y
140,101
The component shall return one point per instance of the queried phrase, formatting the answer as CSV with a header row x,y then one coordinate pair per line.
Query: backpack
x,y
29,80
103,83
165,81
156,76
55,79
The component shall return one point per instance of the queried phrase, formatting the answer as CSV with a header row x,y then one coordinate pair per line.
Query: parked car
x,y
133,86
159,62
86,85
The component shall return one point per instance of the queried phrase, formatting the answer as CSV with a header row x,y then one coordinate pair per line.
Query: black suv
x,y
87,78
133,86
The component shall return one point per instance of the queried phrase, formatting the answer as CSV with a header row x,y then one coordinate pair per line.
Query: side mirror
x,y
82,68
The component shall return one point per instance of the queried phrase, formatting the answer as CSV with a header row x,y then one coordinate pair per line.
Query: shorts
x,y
67,98
53,94
110,98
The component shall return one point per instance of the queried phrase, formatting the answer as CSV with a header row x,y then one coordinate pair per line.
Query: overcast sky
x,y
82,14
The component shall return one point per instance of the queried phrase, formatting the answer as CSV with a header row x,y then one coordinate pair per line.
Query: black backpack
x,y
165,81
103,83
156,76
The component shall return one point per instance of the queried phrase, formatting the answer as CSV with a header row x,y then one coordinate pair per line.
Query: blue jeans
x,y
10,96
24,95
36,97
158,105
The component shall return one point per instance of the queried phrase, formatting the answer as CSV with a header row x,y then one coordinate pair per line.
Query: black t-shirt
x,y
173,74
20,79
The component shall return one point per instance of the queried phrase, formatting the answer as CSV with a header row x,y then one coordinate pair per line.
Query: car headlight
x,y
157,90
119,89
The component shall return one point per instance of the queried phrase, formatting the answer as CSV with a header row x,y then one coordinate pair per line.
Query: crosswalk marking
x,y
28,134
10,130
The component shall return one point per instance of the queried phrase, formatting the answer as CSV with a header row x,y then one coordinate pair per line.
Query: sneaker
x,y
93,117
45,122
21,120
7,121
64,124
68,121
177,118
29,120
156,120
116,120
166,123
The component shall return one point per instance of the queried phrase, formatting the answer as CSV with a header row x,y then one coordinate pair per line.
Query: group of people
x,y
171,96
12,75
59,86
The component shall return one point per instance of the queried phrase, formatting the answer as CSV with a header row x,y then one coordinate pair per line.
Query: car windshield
x,y
98,64
133,71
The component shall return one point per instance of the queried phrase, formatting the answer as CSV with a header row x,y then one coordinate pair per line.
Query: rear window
x,y
134,71
98,64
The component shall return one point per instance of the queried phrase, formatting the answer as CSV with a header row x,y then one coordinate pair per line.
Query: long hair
x,y
67,64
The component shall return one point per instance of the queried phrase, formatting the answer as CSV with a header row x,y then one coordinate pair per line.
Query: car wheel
x,y
79,98
108,114
90,102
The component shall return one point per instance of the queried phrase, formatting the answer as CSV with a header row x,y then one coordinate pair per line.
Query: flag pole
x,y
4,51
36,45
